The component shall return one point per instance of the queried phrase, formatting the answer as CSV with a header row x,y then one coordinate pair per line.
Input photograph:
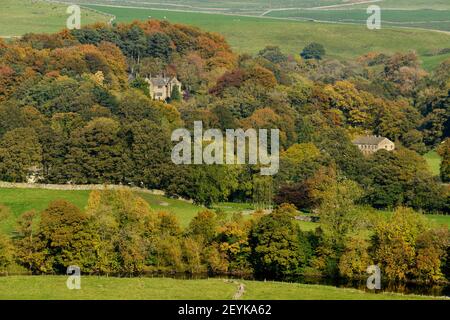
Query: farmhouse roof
x,y
369,140
161,81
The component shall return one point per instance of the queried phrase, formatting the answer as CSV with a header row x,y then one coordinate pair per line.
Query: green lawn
x,y
22,16
251,34
54,287
434,162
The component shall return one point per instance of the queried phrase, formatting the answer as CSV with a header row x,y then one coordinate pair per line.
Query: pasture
x,y
22,200
18,17
251,33
428,19
106,288
341,41
434,162
257,7
252,7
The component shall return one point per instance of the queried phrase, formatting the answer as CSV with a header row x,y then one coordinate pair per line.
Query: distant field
x,y
251,34
105,288
225,6
257,6
413,4
245,34
428,19
434,162
22,16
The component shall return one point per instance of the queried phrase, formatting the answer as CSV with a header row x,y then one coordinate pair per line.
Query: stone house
x,y
161,87
371,144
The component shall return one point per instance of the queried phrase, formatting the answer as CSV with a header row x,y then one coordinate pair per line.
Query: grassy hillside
x,y
251,34
257,6
428,19
434,162
226,6
54,287
21,16
414,4
21,200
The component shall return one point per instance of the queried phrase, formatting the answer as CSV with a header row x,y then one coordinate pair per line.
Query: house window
x,y
159,87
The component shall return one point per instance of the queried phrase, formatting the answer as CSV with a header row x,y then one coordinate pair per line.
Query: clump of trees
x,y
406,247
444,152
313,50
119,233
74,108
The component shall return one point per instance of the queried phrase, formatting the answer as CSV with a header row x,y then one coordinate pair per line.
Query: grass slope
x,y
413,4
54,287
428,19
245,34
236,6
22,200
18,17
251,34
434,162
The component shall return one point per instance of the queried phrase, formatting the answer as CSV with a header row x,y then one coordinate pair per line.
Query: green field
x,y
54,287
255,7
434,162
258,6
21,200
412,4
244,33
22,16
343,41
428,19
